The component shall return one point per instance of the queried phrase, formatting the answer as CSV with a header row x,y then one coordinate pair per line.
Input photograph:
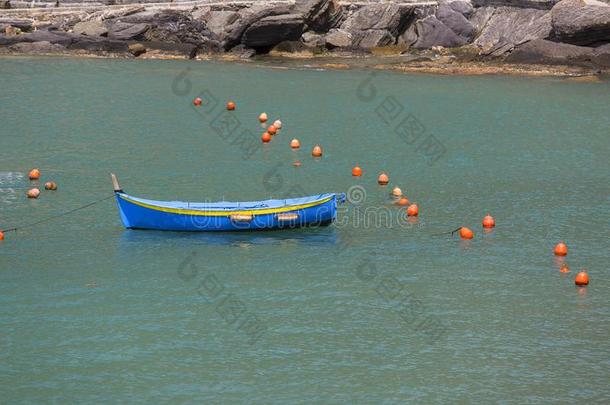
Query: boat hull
x,y
273,214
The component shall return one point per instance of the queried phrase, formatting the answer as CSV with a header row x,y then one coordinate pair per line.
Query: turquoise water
x,y
369,310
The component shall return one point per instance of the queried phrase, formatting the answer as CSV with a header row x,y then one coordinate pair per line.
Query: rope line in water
x,y
446,233
58,215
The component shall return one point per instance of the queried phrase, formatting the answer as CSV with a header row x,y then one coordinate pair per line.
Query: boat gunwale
x,y
227,211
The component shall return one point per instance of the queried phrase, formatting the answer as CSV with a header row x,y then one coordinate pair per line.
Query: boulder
x,y
319,15
456,22
581,22
390,17
37,47
313,40
126,31
216,21
233,33
508,27
136,49
432,32
5,4
533,4
186,50
272,30
409,37
242,52
338,38
463,7
91,28
540,51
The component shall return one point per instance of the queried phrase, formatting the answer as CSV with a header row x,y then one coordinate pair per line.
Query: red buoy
x,y
316,151
403,201
272,130
396,192
262,117
413,210
50,185
1,235
383,179
564,268
34,174
197,101
357,171
33,193
489,221
295,144
230,106
266,137
582,278
466,233
561,249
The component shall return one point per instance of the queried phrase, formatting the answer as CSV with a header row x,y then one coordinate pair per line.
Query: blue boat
x,y
139,213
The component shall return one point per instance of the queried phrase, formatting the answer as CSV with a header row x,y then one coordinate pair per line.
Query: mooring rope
x,y
448,232
58,215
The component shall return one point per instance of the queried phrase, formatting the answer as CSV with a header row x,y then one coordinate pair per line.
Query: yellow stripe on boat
x,y
261,211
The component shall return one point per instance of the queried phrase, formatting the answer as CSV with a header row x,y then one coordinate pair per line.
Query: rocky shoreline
x,y
567,37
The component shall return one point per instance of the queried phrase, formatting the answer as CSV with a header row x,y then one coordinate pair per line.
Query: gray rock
x,y
98,44
60,38
290,47
373,38
313,40
272,30
126,31
481,17
217,21
456,22
248,16
389,17
5,4
338,38
463,7
431,32
21,23
177,27
319,15
540,51
581,22
91,28
241,51
409,37
601,56
508,27
136,49
532,4
37,47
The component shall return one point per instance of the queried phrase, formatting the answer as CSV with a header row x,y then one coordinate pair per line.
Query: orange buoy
x,y
413,210
564,268
489,221
50,185
561,249
383,179
1,235
357,171
582,278
262,117
297,163
403,201
34,174
272,130
316,151
295,144
277,124
266,137
466,233
197,101
230,106
396,192
33,193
